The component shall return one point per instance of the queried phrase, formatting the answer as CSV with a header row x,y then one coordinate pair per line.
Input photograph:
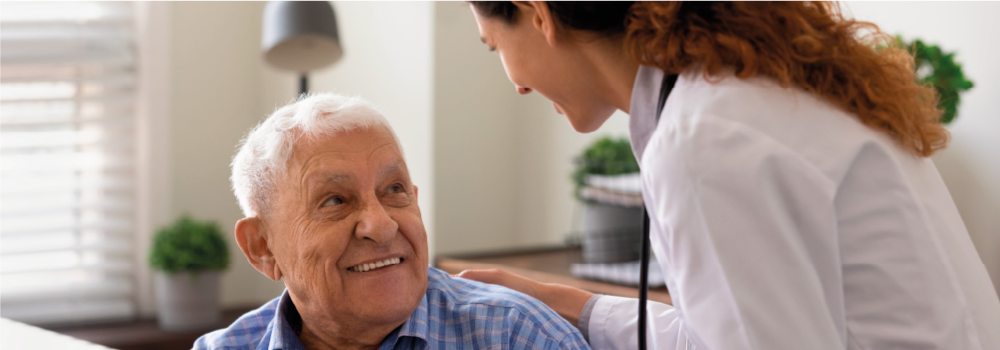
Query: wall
x,y
970,165
216,98
474,158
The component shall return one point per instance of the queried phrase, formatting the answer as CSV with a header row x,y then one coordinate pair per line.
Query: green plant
x,y
939,69
606,156
189,245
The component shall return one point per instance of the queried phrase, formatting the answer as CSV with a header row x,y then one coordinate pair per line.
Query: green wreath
x,y
939,69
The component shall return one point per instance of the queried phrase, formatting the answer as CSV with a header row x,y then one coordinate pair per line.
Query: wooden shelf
x,y
549,265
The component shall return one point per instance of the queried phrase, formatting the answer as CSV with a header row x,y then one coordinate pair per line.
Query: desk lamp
x,y
300,36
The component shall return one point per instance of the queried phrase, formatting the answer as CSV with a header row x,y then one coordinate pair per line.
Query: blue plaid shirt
x,y
455,313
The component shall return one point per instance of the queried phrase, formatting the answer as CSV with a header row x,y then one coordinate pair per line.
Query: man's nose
x,y
523,90
375,224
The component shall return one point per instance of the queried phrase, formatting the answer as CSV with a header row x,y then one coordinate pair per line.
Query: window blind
x,y
67,85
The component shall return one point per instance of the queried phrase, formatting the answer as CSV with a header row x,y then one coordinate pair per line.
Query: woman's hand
x,y
565,300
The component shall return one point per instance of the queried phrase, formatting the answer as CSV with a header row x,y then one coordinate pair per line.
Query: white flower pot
x,y
188,301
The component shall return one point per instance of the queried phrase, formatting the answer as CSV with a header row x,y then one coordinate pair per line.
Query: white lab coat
x,y
782,222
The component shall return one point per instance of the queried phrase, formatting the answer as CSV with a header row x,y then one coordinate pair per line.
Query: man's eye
x,y
333,201
397,188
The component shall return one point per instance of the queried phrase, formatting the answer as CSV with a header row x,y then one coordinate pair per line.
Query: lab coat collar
x,y
642,107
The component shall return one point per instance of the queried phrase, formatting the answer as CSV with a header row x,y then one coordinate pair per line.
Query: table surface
x,y
17,335
547,265
142,334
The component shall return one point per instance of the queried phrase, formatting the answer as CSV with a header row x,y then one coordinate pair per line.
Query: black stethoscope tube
x,y
668,85
643,278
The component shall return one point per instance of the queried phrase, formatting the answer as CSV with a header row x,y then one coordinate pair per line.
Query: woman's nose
x,y
523,90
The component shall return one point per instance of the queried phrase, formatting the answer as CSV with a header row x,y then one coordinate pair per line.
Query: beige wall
x,y
474,161
216,98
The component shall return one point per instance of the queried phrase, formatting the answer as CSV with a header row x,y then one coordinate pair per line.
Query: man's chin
x,y
387,298
389,308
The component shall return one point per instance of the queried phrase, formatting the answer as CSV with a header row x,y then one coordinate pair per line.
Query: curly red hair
x,y
809,45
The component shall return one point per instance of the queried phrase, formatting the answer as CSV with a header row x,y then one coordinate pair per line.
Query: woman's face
x,y
553,65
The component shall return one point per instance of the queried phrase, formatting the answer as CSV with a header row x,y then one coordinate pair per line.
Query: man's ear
x,y
541,18
251,238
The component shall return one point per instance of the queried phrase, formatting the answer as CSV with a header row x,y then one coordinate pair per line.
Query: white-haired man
x,y
331,211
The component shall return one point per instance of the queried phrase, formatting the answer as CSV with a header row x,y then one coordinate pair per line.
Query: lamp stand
x,y
303,84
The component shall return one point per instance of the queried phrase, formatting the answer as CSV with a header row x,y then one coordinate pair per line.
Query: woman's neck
x,y
615,70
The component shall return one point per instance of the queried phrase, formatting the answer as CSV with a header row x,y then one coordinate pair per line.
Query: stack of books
x,y
621,190
621,273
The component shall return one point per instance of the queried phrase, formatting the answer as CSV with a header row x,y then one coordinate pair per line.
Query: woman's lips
x,y
558,110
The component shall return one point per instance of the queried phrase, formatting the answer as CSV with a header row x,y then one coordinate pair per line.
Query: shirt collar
x,y
283,336
416,327
281,333
642,107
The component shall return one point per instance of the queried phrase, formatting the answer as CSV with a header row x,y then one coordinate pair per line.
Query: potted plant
x,y
188,257
609,188
939,69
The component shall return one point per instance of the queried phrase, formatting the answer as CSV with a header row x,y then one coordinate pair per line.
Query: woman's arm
x,y
565,300
612,322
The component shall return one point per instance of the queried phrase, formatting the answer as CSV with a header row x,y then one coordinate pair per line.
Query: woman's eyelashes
x,y
485,42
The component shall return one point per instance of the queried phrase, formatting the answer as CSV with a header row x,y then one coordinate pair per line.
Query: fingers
x,y
565,300
503,278
491,276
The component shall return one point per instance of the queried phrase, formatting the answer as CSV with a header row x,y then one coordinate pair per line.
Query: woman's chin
x,y
584,129
586,123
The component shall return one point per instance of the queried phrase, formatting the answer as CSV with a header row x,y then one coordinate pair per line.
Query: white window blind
x,y
67,81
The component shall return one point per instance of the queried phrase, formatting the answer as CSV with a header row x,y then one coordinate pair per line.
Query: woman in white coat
x,y
792,202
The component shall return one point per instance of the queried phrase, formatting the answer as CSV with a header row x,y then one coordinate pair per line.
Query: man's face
x,y
345,202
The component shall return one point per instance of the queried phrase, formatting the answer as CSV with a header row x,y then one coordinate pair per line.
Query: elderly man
x,y
331,211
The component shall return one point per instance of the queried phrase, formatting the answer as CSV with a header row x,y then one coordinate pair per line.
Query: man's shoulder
x,y
461,292
245,333
521,315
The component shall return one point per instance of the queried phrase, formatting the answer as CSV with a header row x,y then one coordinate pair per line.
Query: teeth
x,y
375,265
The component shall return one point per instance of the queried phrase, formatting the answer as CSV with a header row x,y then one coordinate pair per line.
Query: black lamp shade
x,y
300,35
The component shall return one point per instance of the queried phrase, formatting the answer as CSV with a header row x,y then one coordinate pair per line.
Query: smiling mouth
x,y
375,265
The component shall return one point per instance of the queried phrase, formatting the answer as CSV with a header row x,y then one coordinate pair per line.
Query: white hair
x,y
263,154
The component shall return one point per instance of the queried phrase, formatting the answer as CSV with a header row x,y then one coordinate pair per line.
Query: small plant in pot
x,y
188,257
939,69
609,188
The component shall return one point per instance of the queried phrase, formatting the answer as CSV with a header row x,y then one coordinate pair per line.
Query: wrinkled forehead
x,y
372,151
